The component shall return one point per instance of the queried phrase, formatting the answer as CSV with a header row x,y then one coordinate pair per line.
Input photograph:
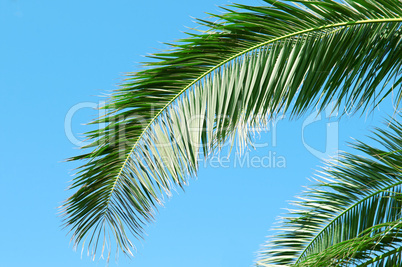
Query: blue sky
x,y
56,55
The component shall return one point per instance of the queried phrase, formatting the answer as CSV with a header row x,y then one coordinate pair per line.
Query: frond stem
x,y
389,253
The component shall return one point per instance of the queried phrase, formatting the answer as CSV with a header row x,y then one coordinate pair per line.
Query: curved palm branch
x,y
249,65
352,217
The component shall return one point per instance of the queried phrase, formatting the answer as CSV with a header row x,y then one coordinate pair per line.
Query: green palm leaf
x,y
352,217
376,246
251,64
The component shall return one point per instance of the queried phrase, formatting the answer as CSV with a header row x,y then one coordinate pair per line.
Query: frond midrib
x,y
335,25
344,212
389,253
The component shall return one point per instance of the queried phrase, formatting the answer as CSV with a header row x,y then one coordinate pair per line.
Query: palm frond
x,y
376,246
251,64
352,217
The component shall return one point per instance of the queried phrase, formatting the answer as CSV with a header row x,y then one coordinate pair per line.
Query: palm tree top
x,y
250,64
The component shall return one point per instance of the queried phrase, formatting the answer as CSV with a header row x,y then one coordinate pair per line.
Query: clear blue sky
x,y
57,54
